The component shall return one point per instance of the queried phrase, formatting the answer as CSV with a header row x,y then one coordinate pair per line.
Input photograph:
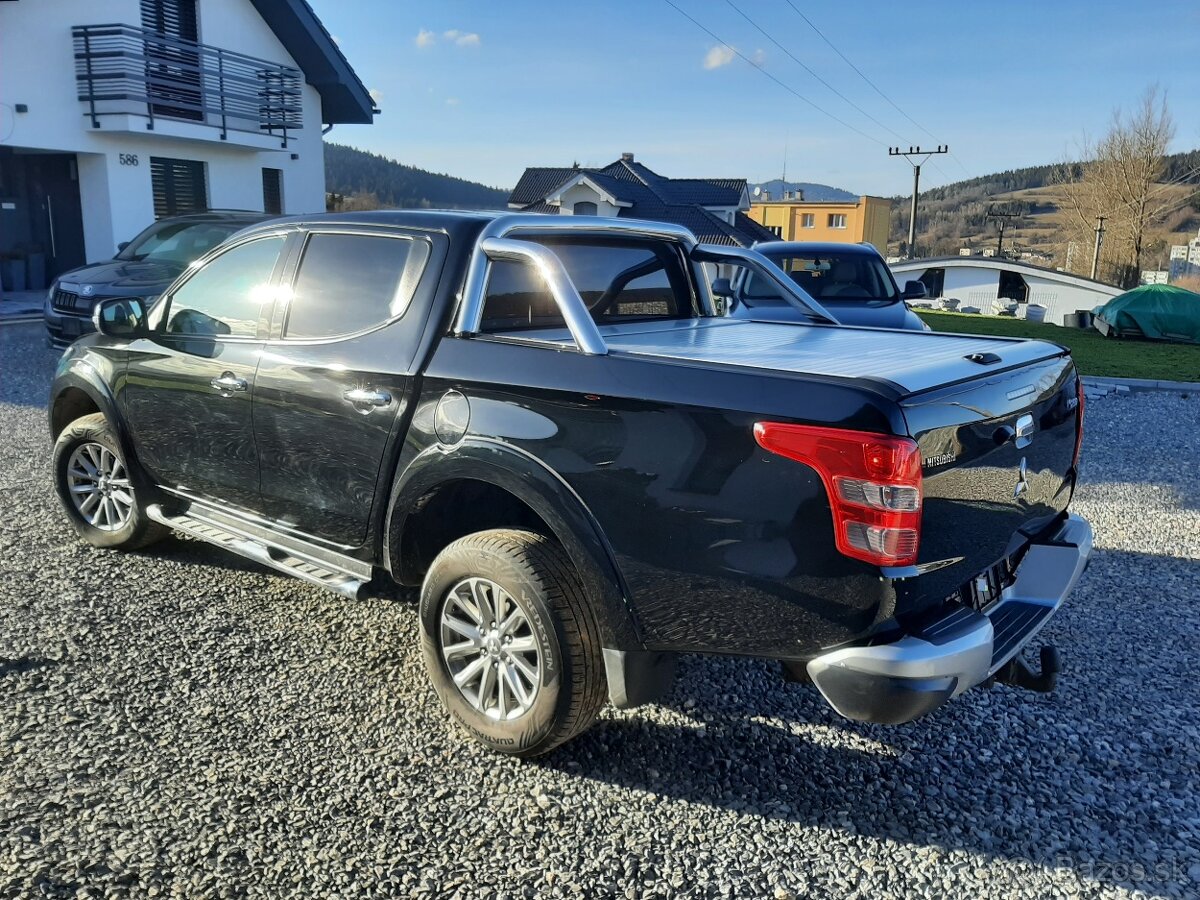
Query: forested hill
x,y
368,179
1183,167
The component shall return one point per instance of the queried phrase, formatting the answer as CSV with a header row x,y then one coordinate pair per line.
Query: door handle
x,y
366,397
228,382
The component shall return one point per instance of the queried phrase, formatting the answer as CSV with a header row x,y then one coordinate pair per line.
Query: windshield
x,y
178,243
837,277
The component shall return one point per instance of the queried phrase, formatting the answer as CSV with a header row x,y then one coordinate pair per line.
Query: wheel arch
x,y
529,494
79,391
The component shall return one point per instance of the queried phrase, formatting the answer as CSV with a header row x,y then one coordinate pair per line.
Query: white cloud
x,y
758,57
452,101
720,55
451,34
376,95
425,38
462,38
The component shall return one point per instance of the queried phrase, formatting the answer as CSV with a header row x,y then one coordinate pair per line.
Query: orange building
x,y
849,222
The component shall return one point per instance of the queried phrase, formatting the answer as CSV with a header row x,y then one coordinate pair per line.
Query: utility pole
x,y
1001,217
912,212
1096,250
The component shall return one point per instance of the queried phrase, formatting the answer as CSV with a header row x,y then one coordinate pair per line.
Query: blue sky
x,y
483,89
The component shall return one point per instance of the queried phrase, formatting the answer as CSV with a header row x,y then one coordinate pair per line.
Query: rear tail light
x,y
873,482
1078,421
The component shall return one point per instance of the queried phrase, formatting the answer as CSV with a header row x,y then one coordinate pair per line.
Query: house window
x,y
776,230
179,185
585,208
837,220
273,191
808,220
173,69
174,18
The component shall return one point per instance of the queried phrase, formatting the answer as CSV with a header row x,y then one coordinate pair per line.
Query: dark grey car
x,y
143,268
851,281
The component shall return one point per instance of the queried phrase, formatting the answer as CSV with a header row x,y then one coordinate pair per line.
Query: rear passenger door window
x,y
348,283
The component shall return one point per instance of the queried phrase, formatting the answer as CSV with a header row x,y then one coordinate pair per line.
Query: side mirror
x,y
121,246
121,317
721,287
914,290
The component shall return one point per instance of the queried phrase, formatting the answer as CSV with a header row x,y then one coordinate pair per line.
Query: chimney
x,y
626,157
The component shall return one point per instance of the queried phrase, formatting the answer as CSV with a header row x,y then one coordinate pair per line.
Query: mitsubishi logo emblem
x,y
1022,484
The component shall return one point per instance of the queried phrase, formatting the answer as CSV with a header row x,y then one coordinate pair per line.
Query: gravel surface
x,y
182,723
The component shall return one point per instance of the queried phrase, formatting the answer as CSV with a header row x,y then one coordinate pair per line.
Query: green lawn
x,y
1093,353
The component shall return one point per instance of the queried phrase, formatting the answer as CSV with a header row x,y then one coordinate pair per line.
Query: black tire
x,y
137,530
538,576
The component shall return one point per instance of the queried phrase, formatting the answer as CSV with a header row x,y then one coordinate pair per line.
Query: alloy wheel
x,y
99,487
488,643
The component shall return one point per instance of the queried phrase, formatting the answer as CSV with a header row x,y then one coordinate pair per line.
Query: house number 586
x,y
127,159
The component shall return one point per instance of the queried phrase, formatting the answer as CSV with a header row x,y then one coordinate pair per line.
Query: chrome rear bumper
x,y
899,681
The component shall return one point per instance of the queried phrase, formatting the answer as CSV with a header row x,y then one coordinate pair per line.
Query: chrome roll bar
x,y
558,283
494,244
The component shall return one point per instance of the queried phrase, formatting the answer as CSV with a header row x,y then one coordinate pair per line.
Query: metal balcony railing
x,y
123,70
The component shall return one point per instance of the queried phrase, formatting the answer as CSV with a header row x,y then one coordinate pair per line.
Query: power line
x,y
806,68
861,74
784,85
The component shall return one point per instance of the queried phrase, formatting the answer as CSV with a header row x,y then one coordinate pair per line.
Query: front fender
x,y
555,502
92,375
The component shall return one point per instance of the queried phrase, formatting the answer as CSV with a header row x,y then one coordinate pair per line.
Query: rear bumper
x,y
899,681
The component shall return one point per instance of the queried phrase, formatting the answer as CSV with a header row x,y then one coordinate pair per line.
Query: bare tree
x,y
1120,179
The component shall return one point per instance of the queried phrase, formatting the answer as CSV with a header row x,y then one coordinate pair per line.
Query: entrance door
x,y
41,220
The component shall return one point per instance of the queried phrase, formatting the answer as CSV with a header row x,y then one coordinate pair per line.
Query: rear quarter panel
x,y
722,546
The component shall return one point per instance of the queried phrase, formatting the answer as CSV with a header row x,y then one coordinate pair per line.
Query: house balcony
x,y
135,80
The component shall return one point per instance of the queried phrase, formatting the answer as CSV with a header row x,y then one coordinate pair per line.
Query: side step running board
x,y
314,566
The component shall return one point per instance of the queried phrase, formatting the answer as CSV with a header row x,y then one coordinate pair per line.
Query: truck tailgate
x,y
997,455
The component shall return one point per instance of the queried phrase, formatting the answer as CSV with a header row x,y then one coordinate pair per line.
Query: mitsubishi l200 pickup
x,y
544,424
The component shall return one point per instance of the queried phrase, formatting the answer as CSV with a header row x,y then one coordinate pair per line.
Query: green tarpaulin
x,y
1158,311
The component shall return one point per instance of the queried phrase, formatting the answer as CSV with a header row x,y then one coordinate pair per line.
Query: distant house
x,y
980,281
1185,260
842,221
714,209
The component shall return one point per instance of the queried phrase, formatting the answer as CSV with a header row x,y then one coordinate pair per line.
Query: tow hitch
x,y
1017,672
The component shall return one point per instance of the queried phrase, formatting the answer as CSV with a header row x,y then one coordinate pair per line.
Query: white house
x,y
116,112
977,281
1185,260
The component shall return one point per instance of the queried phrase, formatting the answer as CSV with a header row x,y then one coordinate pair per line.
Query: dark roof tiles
x,y
678,200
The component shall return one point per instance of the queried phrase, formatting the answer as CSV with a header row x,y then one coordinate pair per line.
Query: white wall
x,y
978,286
37,68
581,193
972,287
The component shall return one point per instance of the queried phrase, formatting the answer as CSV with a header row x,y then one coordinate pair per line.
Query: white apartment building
x,y
116,112
1185,259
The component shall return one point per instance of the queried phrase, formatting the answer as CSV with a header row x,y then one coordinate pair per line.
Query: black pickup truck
x,y
543,423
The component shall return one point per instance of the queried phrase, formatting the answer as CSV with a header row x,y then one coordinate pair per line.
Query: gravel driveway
x,y
182,723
